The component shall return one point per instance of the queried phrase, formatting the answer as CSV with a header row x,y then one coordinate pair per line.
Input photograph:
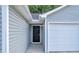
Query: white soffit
x,y
24,11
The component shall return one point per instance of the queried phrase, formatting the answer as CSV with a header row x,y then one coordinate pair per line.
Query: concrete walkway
x,y
35,48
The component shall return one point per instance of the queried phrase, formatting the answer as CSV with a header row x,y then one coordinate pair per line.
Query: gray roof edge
x,y
52,11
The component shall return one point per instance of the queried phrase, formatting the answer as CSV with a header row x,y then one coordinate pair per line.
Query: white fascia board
x,y
24,11
52,11
36,22
64,22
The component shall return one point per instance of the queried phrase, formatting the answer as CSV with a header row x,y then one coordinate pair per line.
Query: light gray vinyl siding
x,y
67,14
0,29
18,32
63,36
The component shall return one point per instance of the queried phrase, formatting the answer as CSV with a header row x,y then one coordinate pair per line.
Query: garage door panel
x,y
63,37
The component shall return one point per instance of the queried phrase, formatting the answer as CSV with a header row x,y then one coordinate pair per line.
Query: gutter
x,y
52,11
24,11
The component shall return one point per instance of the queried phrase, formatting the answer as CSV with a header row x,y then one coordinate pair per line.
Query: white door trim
x,y
5,29
32,34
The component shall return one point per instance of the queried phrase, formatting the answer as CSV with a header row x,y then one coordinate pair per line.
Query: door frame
x,y
32,34
5,29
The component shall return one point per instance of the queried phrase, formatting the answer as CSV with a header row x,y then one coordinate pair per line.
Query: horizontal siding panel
x,y
67,14
18,32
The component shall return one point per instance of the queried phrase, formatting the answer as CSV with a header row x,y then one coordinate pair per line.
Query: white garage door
x,y
63,37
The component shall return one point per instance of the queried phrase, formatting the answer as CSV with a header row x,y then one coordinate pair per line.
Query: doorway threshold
x,y
35,48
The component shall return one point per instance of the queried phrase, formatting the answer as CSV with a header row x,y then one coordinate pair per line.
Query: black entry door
x,y
36,33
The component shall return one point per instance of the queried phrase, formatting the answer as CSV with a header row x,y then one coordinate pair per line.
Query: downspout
x,y
43,18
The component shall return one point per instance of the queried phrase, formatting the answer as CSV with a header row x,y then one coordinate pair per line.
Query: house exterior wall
x,y
43,37
30,41
18,32
0,29
67,14
62,36
41,34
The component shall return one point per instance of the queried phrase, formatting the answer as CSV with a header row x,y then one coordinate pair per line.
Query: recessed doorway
x,y
36,33
36,44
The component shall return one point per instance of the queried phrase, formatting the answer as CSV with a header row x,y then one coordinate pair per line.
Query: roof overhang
x,y
52,11
23,10
37,21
